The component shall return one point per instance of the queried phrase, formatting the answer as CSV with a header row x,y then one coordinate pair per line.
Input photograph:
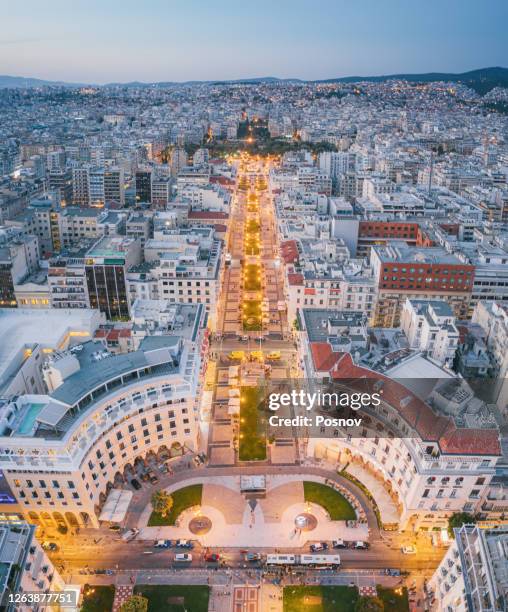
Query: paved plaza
x,y
265,522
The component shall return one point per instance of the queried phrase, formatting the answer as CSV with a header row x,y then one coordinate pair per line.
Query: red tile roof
x,y
418,415
289,251
295,279
207,214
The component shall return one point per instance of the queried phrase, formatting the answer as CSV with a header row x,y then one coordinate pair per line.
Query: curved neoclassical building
x,y
61,453
429,465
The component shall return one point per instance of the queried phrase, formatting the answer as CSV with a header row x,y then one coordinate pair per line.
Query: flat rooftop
x,y
24,328
399,252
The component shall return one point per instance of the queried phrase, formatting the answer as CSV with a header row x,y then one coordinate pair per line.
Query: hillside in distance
x,y
481,80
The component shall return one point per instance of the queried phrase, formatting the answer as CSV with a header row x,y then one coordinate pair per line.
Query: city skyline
x,y
92,43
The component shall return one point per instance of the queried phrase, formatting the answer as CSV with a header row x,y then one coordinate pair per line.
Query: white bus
x,y
308,560
320,560
280,559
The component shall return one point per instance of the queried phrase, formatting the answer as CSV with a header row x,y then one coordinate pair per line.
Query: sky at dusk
x,y
99,41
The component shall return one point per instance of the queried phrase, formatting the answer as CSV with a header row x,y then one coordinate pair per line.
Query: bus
x,y
280,559
318,561
322,561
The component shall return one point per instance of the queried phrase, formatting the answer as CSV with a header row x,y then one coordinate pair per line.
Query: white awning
x,y
116,505
52,414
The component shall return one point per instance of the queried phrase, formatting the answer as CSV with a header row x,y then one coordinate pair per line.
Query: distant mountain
x,y
481,80
27,82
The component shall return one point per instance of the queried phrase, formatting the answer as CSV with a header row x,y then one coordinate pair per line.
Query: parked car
x,y
251,556
49,546
318,546
184,544
136,484
212,557
153,477
183,558
114,527
338,544
360,545
409,550
163,544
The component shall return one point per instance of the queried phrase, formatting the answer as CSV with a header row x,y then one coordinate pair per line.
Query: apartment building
x,y
429,273
25,567
473,575
429,326
106,264
428,463
185,264
19,257
63,451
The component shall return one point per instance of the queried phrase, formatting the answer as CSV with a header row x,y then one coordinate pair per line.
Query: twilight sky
x,y
100,41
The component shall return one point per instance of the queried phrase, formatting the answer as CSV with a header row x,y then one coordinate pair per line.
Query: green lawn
x,y
319,598
182,499
98,598
175,598
331,500
252,280
252,315
393,601
252,226
252,444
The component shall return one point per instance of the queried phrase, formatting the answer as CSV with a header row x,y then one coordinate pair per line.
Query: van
x,y
183,558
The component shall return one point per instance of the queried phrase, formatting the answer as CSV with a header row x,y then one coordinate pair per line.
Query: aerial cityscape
x,y
253,330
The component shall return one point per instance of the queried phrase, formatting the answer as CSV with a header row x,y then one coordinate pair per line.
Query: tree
x,y
162,502
136,603
458,519
369,604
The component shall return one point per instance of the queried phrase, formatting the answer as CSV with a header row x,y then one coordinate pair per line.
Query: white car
x,y
409,550
183,558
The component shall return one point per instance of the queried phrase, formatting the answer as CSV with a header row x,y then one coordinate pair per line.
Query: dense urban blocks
x,y
252,444
183,499
175,598
337,506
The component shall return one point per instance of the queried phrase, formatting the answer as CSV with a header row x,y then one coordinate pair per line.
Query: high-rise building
x,y
178,160
114,187
143,186
19,256
161,191
60,181
106,264
81,186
